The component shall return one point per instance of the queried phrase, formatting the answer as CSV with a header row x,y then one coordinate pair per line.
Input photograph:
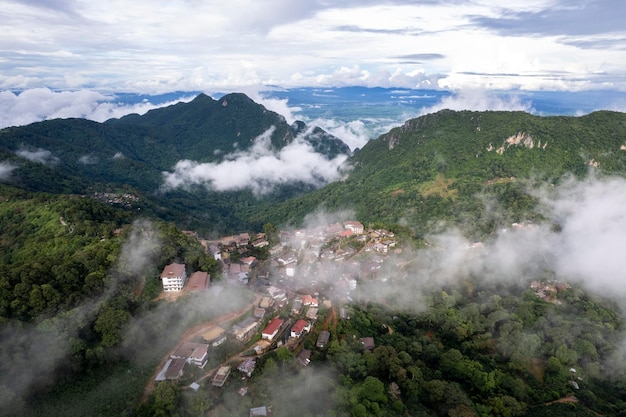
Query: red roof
x,y
299,326
273,325
308,300
198,281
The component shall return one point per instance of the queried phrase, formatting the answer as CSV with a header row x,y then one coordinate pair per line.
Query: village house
x,y
234,270
278,294
300,327
322,339
380,247
214,336
198,282
334,229
221,376
245,328
175,369
290,270
296,307
248,260
309,300
368,343
271,330
259,312
311,313
243,239
193,353
174,374
287,258
354,226
304,357
261,346
173,277
247,367
215,251
260,241
266,302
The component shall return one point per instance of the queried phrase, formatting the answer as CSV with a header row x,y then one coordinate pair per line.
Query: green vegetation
x,y
474,352
82,333
444,169
129,155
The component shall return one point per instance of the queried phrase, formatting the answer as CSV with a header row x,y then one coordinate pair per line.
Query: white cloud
x,y
6,168
280,106
39,104
585,249
593,222
155,47
353,133
479,100
42,156
88,160
260,168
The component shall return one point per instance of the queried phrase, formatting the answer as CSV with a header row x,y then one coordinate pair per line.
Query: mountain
x,y
449,335
198,129
130,155
446,167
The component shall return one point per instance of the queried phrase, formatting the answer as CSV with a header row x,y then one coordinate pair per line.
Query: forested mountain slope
x,y
451,166
131,155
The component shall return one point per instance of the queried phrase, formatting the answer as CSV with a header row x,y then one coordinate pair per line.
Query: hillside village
x,y
306,271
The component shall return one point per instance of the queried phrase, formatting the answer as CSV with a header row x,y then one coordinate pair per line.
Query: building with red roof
x,y
300,327
271,330
198,282
309,300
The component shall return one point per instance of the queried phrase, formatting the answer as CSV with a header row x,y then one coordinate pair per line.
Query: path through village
x,y
192,334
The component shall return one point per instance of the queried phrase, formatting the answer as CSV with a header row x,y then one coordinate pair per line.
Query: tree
x,y
163,401
110,323
373,390
284,355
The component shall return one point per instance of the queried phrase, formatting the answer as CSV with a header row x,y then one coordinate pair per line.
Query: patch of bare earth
x,y
571,398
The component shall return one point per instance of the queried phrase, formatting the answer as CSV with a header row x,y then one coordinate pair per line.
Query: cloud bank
x,y
480,100
580,242
38,104
259,168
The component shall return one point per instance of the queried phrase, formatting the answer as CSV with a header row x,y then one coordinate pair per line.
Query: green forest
x,y
82,246
476,349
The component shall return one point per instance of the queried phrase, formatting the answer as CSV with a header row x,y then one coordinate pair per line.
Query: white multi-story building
x,y
174,277
354,226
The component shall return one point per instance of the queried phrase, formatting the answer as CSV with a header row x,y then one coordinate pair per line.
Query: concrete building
x,y
173,277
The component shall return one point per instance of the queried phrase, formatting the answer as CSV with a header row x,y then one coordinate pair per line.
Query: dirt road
x,y
191,334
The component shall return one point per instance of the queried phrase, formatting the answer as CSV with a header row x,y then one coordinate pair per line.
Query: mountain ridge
x,y
451,150
429,167
135,151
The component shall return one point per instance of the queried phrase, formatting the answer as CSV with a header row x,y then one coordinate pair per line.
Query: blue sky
x,y
73,56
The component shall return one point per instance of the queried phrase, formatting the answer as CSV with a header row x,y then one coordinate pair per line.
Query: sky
x,y
155,46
